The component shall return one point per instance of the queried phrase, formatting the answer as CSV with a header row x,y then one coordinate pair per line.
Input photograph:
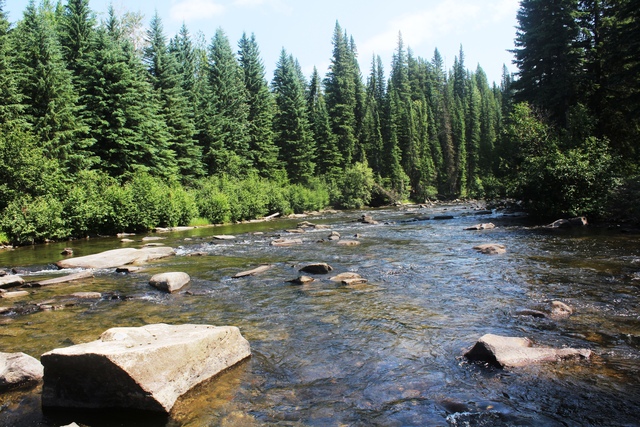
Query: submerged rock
x,y
67,252
286,242
484,226
491,249
117,257
503,352
65,279
169,282
345,276
348,243
19,370
560,310
255,271
319,268
145,368
302,280
580,221
367,219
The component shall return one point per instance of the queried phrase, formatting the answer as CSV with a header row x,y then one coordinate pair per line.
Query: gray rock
x,y
14,294
504,352
224,237
367,219
560,310
344,276
144,368
169,282
152,238
87,295
484,226
117,257
11,281
65,279
19,370
302,280
319,268
334,235
253,272
286,242
348,243
532,313
491,249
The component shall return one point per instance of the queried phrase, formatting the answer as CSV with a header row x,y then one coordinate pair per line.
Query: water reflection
x,y
383,353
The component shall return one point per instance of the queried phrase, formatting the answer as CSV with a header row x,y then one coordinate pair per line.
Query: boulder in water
x,y
117,257
504,352
491,249
319,268
169,282
145,368
19,370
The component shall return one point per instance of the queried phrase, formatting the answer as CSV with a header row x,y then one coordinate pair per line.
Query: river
x,y
384,353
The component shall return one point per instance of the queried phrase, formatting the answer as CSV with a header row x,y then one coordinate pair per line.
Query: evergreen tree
x,y
122,110
547,56
76,30
328,158
46,86
10,106
263,151
224,137
371,137
340,89
291,125
174,105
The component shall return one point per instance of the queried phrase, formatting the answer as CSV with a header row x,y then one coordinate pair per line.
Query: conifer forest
x,y
101,134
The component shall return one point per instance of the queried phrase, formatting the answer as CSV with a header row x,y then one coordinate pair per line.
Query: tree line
x,y
102,132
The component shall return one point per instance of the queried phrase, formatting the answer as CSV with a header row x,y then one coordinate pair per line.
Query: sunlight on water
x,y
386,352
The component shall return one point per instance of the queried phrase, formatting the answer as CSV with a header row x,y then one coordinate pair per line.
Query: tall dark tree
x,y
371,136
122,110
549,60
340,89
328,159
10,106
224,137
45,83
263,151
76,30
291,125
174,105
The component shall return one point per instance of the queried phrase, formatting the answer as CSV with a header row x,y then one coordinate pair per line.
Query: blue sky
x,y
485,29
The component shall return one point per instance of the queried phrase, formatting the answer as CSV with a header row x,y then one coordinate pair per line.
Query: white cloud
x,y
446,19
277,5
194,10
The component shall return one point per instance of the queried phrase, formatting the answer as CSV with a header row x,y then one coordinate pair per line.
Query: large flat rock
x,y
11,281
145,368
117,257
504,352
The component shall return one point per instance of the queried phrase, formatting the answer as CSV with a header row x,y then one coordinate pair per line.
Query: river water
x,y
385,353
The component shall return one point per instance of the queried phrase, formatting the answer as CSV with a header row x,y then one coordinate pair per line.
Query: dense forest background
x,y
102,134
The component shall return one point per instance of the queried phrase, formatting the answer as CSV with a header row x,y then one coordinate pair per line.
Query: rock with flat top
x,y
169,282
253,272
348,243
87,295
145,368
302,280
117,257
14,294
286,242
504,352
483,226
65,279
19,370
11,281
344,276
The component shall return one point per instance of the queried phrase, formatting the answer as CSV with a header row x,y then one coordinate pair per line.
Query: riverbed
x,y
384,353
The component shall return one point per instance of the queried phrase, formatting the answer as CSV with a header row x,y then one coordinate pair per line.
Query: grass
x,y
196,222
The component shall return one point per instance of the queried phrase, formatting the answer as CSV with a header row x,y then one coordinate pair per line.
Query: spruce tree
x,y
122,110
371,137
291,126
174,106
263,151
10,105
340,89
224,137
328,158
76,30
45,83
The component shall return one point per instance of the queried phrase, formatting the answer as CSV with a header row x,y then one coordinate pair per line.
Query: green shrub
x,y
29,220
212,203
183,207
357,186
85,207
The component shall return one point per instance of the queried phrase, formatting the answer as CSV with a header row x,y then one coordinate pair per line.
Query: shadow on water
x,y
387,352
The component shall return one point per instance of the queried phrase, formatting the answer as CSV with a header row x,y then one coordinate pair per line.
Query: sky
x,y
485,29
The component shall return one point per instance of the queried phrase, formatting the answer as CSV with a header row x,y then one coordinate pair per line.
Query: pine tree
x,y
174,106
10,105
46,86
547,56
76,30
224,137
371,137
291,125
122,110
264,152
340,89
328,157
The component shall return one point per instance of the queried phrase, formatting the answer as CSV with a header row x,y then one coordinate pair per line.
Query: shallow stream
x,y
385,353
